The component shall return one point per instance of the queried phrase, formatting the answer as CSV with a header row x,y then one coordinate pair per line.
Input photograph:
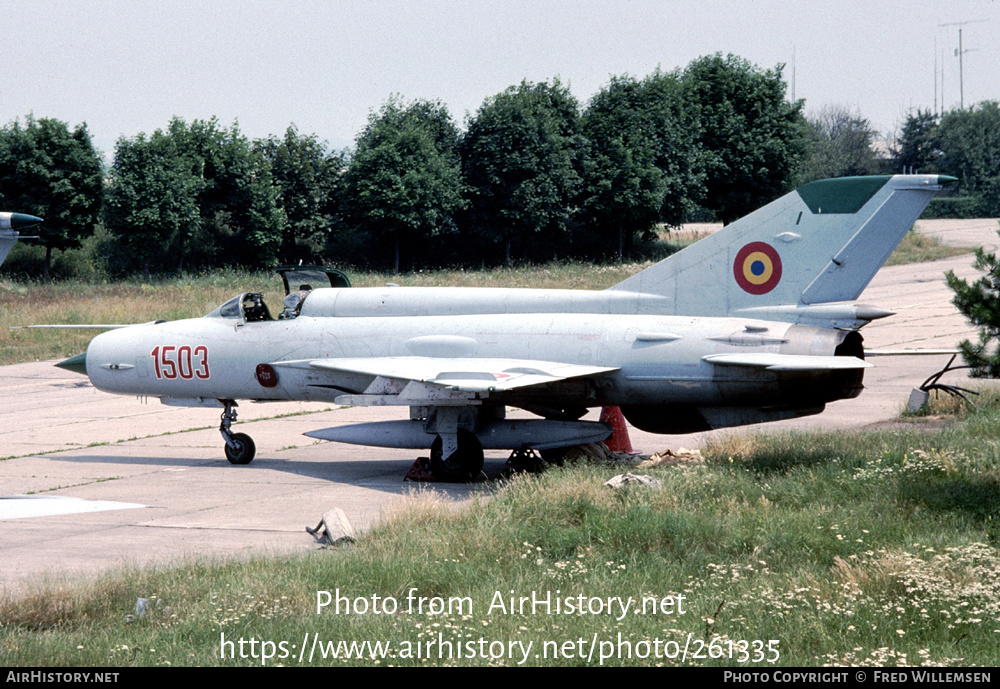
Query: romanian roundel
x,y
757,268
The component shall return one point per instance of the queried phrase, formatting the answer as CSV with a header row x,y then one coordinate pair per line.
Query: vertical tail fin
x,y
821,243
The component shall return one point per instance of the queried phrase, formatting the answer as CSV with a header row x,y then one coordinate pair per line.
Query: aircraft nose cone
x,y
17,221
76,364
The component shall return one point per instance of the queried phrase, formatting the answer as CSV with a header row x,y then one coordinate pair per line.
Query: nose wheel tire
x,y
242,450
463,465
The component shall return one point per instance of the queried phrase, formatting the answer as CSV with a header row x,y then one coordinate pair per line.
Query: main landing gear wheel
x,y
464,464
242,450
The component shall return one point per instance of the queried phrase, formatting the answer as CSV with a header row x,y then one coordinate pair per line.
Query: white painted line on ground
x,y
27,506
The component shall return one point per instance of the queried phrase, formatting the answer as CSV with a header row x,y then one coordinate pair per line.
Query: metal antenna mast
x,y
960,53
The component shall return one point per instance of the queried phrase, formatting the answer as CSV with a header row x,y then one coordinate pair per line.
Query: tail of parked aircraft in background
x,y
10,223
821,243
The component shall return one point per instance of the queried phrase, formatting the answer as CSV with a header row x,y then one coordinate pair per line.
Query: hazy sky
x,y
128,66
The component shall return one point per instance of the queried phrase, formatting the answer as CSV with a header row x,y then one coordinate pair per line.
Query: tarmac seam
x,y
241,529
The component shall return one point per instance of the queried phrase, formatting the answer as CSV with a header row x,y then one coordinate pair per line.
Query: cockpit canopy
x,y
299,282
311,277
249,307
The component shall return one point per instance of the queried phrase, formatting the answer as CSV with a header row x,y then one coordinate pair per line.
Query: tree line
x,y
533,176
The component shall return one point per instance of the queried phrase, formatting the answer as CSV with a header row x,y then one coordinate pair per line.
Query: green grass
x,y
874,548
920,248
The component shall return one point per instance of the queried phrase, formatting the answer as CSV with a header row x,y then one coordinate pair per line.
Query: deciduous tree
x,y
839,144
199,194
521,162
750,137
308,177
52,172
640,159
152,202
970,142
241,221
918,148
403,183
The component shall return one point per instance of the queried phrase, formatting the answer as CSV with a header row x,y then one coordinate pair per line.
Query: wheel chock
x,y
618,441
420,471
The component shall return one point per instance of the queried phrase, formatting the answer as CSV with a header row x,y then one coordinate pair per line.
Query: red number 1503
x,y
181,362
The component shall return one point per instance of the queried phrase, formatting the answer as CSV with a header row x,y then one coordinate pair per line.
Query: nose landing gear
x,y
240,448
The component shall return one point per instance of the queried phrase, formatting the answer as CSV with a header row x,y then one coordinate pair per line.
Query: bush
x,y
955,207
